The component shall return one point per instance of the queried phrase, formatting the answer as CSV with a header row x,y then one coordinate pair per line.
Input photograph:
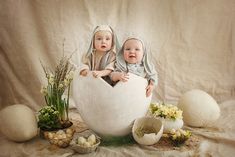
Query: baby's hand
x,y
84,72
101,73
119,76
149,90
97,73
123,77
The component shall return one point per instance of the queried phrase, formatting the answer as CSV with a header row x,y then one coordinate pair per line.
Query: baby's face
x,y
133,51
103,41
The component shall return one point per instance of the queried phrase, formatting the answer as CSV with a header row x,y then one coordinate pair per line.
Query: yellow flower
x,y
70,75
165,110
174,137
43,90
179,114
66,82
51,79
177,133
172,131
179,136
61,86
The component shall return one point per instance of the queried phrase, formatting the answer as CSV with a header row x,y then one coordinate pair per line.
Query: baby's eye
x,y
107,38
98,38
127,49
137,49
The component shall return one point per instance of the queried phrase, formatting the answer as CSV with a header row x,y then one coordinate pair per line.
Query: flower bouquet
x,y
55,114
170,115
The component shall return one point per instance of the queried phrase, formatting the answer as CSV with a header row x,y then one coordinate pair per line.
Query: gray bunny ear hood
x,y
115,43
121,64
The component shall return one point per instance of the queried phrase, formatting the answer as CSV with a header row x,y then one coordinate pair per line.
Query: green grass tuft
x,y
118,141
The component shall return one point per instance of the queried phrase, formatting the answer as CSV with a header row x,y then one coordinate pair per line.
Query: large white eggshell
x,y
107,110
18,123
199,108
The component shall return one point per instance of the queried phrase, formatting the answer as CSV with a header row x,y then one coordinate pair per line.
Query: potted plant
x,y
55,114
169,114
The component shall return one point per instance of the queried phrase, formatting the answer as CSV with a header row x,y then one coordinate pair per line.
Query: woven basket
x,y
83,150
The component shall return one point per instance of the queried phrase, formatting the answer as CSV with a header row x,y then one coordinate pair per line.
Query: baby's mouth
x,y
131,56
103,46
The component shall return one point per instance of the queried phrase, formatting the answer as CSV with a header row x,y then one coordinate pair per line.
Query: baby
x,y
101,54
133,58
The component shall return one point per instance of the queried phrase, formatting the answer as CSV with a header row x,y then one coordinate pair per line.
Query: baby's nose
x,y
132,50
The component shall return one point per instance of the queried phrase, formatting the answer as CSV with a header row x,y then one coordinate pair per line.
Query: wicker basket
x,y
62,140
82,149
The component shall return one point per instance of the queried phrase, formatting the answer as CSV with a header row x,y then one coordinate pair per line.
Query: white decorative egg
x,y
18,122
199,108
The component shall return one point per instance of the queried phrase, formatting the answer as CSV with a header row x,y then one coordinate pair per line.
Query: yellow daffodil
x,y
165,110
43,90
61,86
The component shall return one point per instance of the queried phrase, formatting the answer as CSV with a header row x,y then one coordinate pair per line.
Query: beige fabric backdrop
x,y
192,46
192,42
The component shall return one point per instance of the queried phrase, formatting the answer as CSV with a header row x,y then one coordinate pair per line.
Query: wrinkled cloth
x,y
192,47
217,140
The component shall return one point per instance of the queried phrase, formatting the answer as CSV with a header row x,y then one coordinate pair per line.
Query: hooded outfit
x,y
92,61
144,69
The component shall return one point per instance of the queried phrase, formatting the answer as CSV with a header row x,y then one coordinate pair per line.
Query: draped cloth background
x,y
192,43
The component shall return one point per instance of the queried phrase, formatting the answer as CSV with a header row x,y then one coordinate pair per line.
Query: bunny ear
x,y
150,69
91,48
115,43
120,61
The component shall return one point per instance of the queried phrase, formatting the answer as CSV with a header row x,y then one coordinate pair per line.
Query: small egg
x,y
50,135
92,139
69,131
63,135
55,137
60,136
86,144
81,140
60,132
60,143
